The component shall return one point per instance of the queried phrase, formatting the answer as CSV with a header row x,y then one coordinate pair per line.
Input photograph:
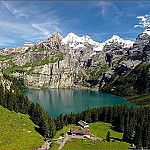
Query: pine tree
x,y
52,127
61,121
5,98
122,124
138,135
32,112
94,116
146,136
127,129
27,105
110,115
58,123
108,136
10,100
72,118
105,114
88,117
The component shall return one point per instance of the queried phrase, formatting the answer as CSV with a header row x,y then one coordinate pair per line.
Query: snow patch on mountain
x,y
120,41
147,31
75,42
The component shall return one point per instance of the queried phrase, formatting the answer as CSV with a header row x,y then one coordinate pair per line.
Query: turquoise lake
x,y
64,101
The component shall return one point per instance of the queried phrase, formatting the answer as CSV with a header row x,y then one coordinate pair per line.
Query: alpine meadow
x,y
74,75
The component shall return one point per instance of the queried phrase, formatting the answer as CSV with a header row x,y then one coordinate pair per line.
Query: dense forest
x,y
17,83
134,85
134,123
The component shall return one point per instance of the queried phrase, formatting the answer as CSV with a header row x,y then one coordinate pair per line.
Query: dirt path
x,y
46,145
67,137
96,138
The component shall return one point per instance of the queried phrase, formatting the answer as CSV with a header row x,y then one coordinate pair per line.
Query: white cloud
x,y
13,10
46,28
43,30
105,6
19,23
144,21
4,41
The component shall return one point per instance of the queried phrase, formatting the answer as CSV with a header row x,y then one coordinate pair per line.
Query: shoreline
x,y
81,88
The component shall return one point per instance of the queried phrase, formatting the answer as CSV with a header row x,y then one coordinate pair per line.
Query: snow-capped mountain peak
x,y
75,42
72,40
71,35
120,41
115,37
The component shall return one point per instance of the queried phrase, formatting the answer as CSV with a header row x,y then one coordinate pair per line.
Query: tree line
x,y
133,82
133,122
14,100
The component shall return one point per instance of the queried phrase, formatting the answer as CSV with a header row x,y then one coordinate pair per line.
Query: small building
x,y
83,124
80,131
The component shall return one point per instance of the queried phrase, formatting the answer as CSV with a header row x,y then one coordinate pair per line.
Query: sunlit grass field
x,y
89,144
100,130
17,131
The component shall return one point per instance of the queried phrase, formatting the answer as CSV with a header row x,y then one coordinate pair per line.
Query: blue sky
x,y
22,21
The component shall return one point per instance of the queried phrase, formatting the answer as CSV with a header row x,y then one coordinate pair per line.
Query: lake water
x,y
64,101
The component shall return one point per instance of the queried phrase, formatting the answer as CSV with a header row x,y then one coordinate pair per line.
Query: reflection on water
x,y
64,101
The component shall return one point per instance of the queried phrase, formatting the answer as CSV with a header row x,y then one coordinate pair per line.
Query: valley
x,y
72,66
115,66
65,101
74,75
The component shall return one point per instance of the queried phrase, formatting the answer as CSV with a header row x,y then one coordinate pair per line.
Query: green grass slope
x,y
99,129
88,144
17,131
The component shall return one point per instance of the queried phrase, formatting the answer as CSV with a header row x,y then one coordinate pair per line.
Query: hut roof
x,y
79,131
82,123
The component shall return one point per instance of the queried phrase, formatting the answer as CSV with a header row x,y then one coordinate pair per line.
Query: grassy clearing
x,y
88,144
17,131
100,129
64,130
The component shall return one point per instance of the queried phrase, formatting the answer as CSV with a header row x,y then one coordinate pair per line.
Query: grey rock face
x,y
140,50
53,64
52,42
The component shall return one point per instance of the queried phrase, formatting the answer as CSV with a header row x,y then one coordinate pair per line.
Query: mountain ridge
x,y
72,38
51,64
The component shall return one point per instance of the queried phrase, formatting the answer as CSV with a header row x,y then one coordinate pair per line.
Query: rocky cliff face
x,y
73,61
140,49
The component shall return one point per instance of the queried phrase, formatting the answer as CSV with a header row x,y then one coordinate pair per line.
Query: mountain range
x,y
77,62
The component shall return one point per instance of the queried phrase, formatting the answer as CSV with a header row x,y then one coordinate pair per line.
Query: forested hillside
x,y
134,123
15,101
134,85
